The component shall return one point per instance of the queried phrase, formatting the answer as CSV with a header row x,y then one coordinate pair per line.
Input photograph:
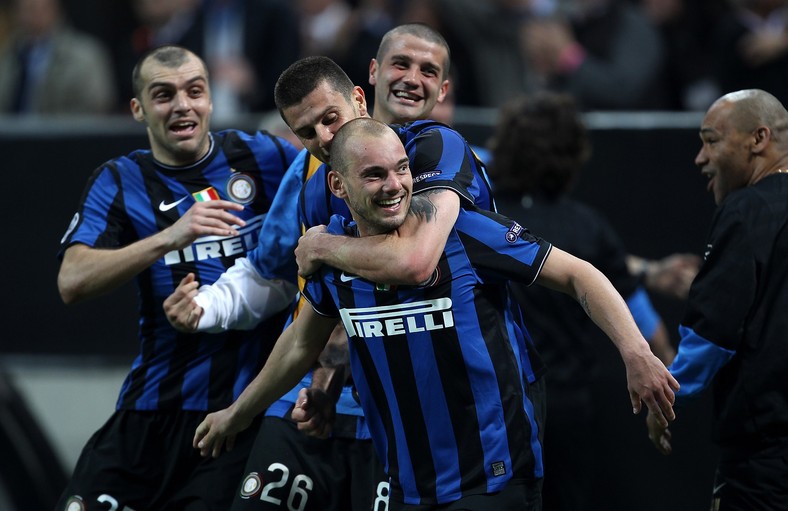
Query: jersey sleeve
x,y
240,299
499,248
101,220
715,314
440,158
714,311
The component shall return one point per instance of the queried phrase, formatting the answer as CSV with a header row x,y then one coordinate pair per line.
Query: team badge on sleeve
x,y
241,188
71,226
514,232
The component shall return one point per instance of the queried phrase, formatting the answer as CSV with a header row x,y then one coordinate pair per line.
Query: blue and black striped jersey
x,y
439,368
439,158
133,197
437,153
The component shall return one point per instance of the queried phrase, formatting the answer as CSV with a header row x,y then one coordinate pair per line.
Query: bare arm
x,y
315,408
406,256
294,354
648,378
88,272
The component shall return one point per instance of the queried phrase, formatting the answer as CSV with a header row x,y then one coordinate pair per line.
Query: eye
x,y
306,134
161,95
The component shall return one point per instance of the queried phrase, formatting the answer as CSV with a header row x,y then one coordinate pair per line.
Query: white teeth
x,y
390,202
406,95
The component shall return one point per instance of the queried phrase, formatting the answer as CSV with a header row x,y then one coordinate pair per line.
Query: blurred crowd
x,y
76,56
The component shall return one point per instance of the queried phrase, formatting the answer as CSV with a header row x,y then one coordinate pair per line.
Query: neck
x,y
380,115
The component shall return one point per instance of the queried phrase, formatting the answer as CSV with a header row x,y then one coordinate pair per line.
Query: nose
x,y
393,183
182,101
411,75
325,136
701,159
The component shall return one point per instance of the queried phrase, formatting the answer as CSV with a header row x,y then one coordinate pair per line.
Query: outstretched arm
x,y
406,256
240,299
88,272
295,352
315,408
648,379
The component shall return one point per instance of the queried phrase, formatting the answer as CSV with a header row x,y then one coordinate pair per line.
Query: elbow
x,y
416,271
70,290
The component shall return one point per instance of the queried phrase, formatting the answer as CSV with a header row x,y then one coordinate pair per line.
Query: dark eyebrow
x,y
191,82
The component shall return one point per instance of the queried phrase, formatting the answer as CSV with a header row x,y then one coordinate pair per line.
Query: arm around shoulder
x,y
407,256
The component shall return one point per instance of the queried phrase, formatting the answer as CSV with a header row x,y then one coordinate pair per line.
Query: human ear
x,y
136,110
336,184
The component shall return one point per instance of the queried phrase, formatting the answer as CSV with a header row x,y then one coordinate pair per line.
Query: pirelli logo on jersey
x,y
400,319
210,247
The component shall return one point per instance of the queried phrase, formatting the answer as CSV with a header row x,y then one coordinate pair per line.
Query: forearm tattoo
x,y
586,305
422,207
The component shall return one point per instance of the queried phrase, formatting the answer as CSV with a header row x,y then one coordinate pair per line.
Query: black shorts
x,y
751,483
517,495
144,460
289,470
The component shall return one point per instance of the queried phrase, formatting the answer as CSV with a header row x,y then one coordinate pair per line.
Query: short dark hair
x,y
420,30
539,145
170,56
305,75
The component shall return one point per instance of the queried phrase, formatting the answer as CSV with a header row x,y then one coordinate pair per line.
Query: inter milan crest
x,y
251,486
75,503
241,188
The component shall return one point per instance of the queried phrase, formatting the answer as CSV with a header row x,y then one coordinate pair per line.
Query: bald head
x,y
752,108
743,135
353,135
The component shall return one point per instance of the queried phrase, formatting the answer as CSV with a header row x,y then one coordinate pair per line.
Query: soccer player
x,y
193,202
438,370
410,75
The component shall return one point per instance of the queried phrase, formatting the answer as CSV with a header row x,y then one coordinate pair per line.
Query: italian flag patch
x,y
209,193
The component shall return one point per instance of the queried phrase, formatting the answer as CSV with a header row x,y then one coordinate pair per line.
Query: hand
x,y
307,251
314,412
649,381
206,218
672,275
181,310
218,430
659,435
763,46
